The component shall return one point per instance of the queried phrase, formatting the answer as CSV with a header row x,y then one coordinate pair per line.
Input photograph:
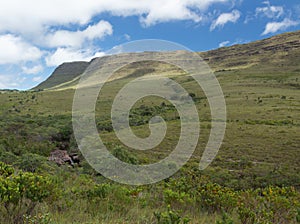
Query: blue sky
x,y
36,36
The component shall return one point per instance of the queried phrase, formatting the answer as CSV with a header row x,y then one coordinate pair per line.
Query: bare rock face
x,y
61,157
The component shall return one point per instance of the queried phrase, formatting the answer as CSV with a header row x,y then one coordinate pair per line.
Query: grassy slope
x,y
262,96
278,54
262,105
63,74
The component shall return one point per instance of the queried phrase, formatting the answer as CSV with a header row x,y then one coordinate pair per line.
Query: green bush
x,y
269,205
30,162
170,217
125,156
21,192
215,198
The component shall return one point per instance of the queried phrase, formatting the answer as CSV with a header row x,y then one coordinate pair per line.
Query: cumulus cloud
x,y
226,18
68,55
15,50
270,11
65,38
32,70
35,15
274,27
34,20
56,31
170,10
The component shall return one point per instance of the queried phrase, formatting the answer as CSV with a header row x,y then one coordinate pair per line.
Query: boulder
x,y
61,157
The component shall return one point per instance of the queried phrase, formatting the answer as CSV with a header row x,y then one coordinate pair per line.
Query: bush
x,y
215,198
30,162
21,192
170,217
268,205
124,156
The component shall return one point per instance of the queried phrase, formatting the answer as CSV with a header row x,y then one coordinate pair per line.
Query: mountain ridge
x,y
279,53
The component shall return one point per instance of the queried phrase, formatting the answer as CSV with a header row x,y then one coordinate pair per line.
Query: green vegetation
x,y
254,179
64,73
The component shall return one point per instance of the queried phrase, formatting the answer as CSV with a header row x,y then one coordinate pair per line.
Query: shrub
x,y
21,192
175,197
123,155
215,198
269,205
170,217
30,162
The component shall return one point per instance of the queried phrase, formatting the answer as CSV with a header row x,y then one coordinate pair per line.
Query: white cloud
x,y
33,70
127,37
270,11
226,18
273,27
9,81
170,10
15,50
65,38
32,16
224,43
35,20
68,55
61,28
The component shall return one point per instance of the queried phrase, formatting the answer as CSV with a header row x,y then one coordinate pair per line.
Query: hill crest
x,y
277,53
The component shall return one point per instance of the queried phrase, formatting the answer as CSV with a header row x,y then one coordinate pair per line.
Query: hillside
x,y
279,54
255,177
64,73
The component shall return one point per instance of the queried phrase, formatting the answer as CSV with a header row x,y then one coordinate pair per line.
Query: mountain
x,y
64,73
279,54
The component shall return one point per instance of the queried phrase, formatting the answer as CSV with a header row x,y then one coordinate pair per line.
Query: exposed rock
x,y
61,157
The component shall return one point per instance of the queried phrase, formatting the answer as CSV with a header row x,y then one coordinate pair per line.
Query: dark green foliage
x,y
124,156
30,162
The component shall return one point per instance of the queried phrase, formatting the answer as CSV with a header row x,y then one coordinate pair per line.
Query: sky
x,y
38,35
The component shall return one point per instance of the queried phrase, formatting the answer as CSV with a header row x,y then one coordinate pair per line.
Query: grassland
x,y
258,160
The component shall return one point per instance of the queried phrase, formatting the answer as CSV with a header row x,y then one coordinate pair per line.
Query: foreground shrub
x,y
215,198
170,217
269,205
21,192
